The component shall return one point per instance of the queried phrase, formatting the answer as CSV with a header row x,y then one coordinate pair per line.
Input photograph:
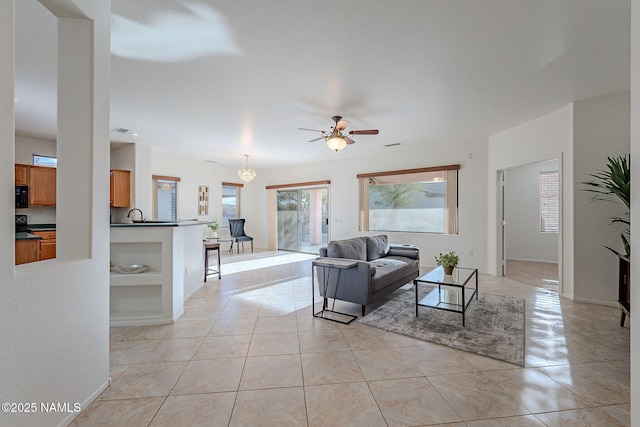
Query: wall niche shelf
x,y
145,298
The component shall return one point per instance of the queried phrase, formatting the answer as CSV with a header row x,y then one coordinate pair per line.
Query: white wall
x,y
54,315
524,241
635,208
343,197
193,174
26,147
123,157
582,136
600,129
544,138
142,194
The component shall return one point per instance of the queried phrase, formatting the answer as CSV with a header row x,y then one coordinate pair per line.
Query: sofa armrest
x,y
408,251
354,285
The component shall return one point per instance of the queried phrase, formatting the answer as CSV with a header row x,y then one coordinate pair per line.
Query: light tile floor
x,y
248,352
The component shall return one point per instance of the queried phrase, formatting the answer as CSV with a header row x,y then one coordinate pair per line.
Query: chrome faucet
x,y
136,209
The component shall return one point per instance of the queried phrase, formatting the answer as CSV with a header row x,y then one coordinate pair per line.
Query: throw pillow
x,y
355,248
377,247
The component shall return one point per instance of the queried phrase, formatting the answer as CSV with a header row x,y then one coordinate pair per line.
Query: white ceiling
x,y
213,80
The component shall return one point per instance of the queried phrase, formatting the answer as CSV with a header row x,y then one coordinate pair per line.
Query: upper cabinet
x,y
42,186
22,174
120,188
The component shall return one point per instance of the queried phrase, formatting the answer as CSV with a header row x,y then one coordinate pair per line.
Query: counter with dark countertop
x,y
42,227
173,255
27,236
154,223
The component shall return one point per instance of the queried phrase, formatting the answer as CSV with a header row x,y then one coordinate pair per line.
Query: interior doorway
x,y
302,218
530,223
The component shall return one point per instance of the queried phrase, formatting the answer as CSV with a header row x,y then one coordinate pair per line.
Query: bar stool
x,y
210,246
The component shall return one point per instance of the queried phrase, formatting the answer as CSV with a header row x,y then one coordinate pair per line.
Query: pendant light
x,y
246,173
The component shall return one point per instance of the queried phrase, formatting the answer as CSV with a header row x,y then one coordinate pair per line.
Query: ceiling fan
x,y
336,140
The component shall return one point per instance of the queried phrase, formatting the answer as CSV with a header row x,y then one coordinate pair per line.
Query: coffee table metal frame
x,y
455,284
330,264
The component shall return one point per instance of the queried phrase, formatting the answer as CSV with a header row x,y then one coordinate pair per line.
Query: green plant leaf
x,y
614,185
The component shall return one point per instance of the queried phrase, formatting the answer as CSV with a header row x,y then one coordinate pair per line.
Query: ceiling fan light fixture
x,y
246,174
336,142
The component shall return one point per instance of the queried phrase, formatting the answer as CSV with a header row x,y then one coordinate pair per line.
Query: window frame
x,y
155,179
224,223
548,202
52,163
451,215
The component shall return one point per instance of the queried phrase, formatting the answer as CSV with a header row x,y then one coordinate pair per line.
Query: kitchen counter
x,y
42,227
27,236
173,255
152,223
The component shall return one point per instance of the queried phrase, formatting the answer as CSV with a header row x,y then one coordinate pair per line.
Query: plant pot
x,y
448,271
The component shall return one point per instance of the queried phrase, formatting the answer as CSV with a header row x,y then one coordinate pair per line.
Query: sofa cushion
x,y
392,268
355,248
377,247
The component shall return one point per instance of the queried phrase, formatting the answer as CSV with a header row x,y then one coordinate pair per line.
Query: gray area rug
x,y
494,325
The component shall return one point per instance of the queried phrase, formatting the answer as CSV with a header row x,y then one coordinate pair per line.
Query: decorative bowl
x,y
130,269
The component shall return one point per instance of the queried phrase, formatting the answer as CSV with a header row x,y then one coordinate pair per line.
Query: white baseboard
x,y
531,260
84,405
186,297
595,301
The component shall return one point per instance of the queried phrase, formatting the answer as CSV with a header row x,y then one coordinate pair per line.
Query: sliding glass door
x,y
303,219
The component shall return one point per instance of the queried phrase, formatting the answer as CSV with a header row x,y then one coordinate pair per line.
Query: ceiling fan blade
x,y
364,132
312,130
342,124
317,139
348,140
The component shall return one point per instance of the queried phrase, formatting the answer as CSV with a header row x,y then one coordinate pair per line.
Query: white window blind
x,y
549,202
230,203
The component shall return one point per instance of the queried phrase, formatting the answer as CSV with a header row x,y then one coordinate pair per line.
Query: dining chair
x,y
236,229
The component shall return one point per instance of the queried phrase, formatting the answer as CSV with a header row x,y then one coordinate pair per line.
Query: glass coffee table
x,y
452,293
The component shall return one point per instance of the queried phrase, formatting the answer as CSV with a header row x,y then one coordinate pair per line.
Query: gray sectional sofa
x,y
381,269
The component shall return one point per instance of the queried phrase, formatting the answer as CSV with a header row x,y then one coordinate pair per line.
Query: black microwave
x,y
22,196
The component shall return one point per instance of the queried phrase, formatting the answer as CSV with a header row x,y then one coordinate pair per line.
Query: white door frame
x,y
501,251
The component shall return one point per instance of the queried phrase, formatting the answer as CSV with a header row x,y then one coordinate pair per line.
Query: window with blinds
x,y
230,202
549,183
421,200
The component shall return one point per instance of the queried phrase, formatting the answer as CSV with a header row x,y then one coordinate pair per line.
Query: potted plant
x,y
448,262
614,185
213,225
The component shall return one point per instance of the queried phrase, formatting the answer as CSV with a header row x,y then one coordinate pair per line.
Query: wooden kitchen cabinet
x,y
22,174
27,251
47,245
120,188
42,186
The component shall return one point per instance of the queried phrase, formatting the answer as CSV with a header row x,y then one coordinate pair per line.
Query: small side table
x,y
450,292
330,264
221,240
208,247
